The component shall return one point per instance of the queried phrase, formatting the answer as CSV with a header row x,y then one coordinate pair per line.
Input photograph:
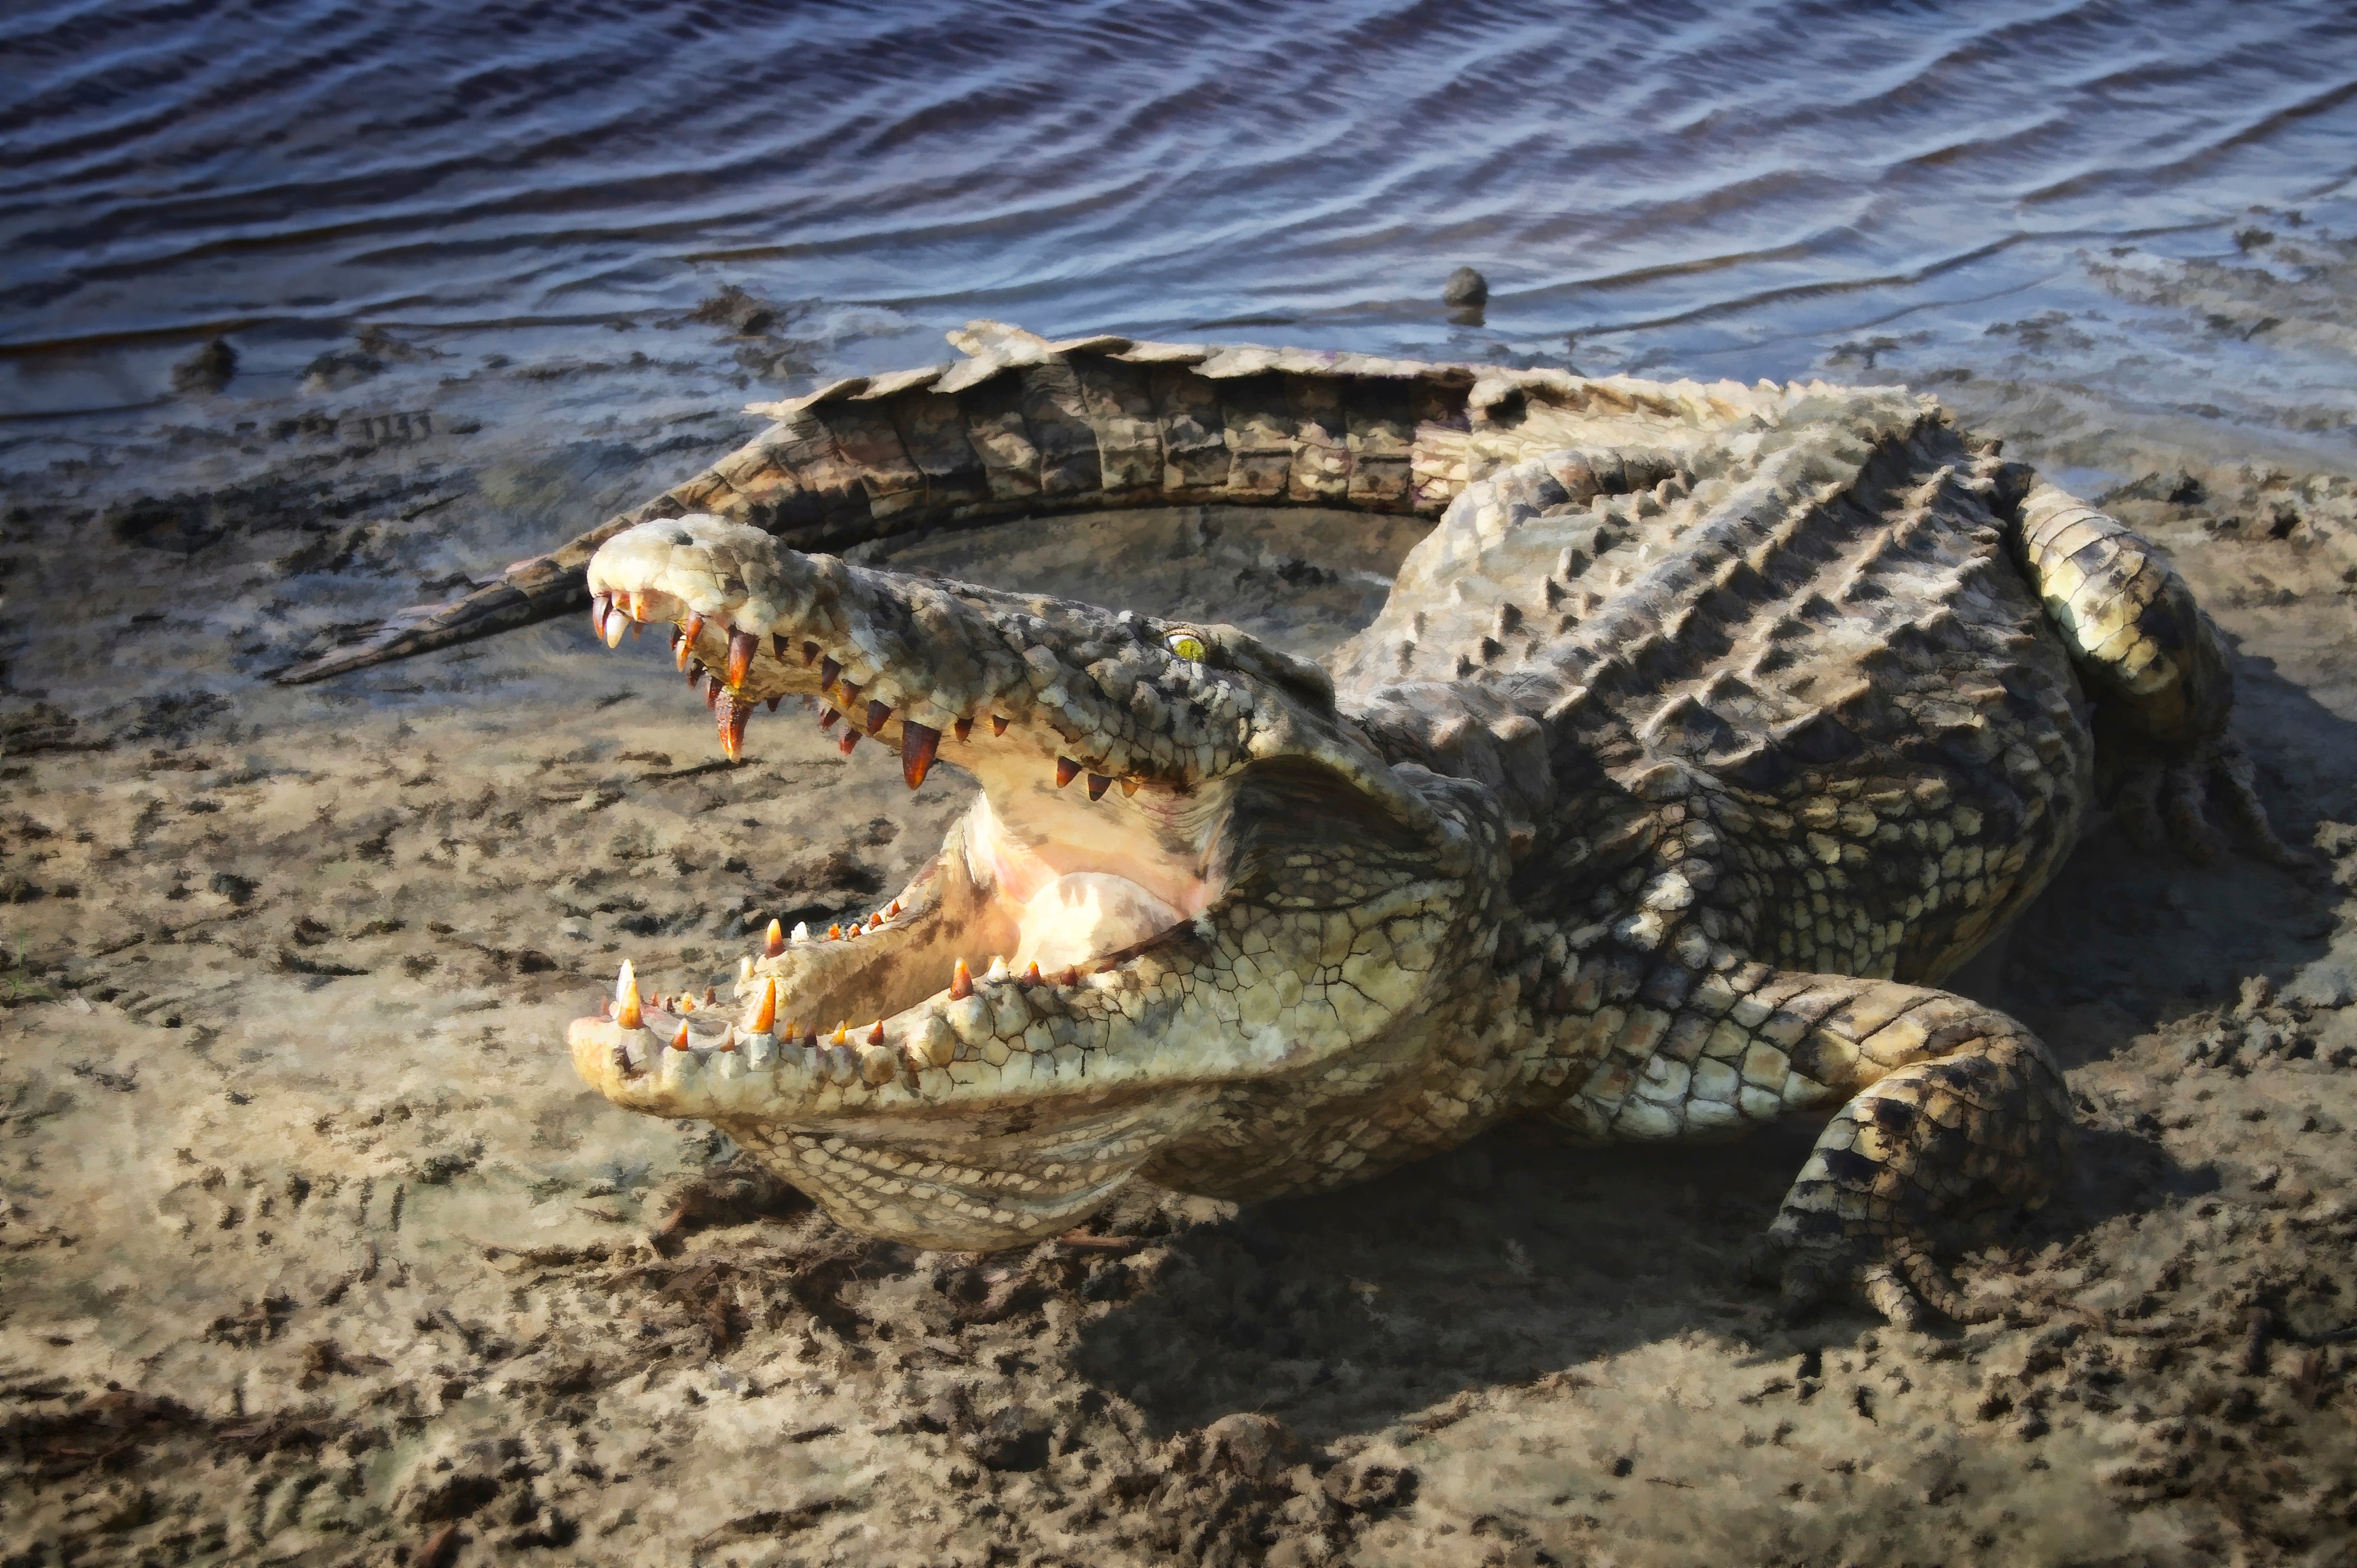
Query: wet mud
x,y
313,1250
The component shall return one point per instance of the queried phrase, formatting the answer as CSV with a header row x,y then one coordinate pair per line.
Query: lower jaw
x,y
967,1184
892,1163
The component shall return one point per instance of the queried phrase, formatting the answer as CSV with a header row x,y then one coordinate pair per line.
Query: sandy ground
x,y
312,1249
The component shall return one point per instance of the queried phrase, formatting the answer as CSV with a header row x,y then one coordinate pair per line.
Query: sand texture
x,y
314,1250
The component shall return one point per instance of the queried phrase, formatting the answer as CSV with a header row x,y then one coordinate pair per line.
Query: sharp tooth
x,y
778,644
773,702
765,1016
1070,975
1066,771
810,1036
876,713
626,999
826,720
616,625
711,995
597,607
773,942
876,1034
800,932
696,674
1098,783
636,601
961,982
728,1038
827,672
679,1041
850,738
1031,975
849,691
791,1030
963,728
998,970
997,724
685,1004
810,654
1128,785
919,744
874,921
731,711
835,933
712,689
742,645
745,964
842,1036
895,910
684,649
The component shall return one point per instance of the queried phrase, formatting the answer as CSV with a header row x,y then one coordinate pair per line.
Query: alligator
x,y
1708,730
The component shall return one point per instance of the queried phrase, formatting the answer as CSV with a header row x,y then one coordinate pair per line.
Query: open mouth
x,y
1184,869
1095,833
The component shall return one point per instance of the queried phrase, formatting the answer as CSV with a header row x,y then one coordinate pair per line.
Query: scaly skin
x,y
1708,730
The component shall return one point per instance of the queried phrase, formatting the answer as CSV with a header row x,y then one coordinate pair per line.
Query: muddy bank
x,y
314,1250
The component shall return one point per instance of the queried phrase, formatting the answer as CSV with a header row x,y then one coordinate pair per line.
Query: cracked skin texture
x,y
1708,730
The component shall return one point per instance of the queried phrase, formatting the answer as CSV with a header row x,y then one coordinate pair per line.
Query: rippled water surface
x,y
1720,188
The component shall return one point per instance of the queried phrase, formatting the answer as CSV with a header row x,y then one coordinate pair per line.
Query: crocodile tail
x,y
1023,427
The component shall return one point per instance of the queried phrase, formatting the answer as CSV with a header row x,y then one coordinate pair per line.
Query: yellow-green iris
x,y
1186,645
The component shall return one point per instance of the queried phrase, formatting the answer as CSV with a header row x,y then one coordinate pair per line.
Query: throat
x,y
1077,878
1085,914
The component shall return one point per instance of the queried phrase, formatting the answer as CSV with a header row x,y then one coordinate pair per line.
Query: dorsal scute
x,y
1783,602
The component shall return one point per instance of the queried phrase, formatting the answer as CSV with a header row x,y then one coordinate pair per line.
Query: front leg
x,y
1946,1108
1960,1110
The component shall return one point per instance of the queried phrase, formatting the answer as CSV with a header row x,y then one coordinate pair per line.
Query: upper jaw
x,y
1091,696
1096,699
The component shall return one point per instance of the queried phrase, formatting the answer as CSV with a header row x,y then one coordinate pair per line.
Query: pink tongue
x,y
1085,914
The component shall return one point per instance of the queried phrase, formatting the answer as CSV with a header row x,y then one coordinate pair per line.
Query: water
x,y
1710,188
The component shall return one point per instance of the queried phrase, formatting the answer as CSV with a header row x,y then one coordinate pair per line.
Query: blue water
x,y
1716,189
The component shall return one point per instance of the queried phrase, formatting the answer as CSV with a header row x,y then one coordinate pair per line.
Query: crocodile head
x,y
1186,880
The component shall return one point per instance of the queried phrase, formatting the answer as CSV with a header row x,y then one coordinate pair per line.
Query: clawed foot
x,y
1896,1276
2162,801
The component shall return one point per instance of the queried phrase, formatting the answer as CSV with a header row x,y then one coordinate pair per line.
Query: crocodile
x,y
1708,730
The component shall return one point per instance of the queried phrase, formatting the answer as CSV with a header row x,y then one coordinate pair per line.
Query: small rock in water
x,y
1465,286
207,370
744,314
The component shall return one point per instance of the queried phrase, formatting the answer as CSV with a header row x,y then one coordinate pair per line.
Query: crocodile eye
x,y
1186,645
